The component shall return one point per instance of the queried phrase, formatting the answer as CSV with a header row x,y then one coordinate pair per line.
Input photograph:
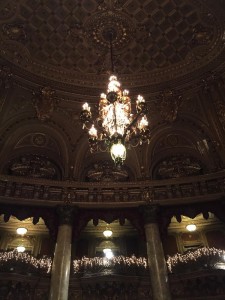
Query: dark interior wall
x,y
170,245
216,238
47,247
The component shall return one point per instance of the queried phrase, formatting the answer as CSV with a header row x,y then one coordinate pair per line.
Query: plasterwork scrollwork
x,y
169,102
15,32
44,103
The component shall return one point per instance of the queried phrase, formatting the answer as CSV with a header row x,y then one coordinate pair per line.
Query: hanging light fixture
x,y
107,233
21,230
117,124
191,227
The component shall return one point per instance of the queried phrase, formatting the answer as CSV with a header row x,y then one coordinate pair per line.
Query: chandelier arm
x,y
115,116
133,122
87,125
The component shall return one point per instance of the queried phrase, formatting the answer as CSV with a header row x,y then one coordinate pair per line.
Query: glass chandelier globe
x,y
118,152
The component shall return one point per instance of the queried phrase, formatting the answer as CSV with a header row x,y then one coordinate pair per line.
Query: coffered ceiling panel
x,y
69,40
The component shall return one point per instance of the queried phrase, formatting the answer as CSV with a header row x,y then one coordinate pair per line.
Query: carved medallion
x,y
15,32
39,140
98,27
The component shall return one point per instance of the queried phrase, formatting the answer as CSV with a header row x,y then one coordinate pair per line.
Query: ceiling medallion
x,y
95,30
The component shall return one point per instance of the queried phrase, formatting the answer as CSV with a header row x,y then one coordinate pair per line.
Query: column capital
x,y
149,213
66,214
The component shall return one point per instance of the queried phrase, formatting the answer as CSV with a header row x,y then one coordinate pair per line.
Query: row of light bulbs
x,y
107,233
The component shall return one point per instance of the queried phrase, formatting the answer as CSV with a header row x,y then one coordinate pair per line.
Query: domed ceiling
x,y
153,40
55,55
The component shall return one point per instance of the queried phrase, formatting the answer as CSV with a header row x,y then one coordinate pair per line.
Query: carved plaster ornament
x,y
169,105
14,32
44,103
207,83
104,171
201,36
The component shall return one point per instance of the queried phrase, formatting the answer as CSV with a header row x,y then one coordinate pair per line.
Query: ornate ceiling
x,y
154,40
55,55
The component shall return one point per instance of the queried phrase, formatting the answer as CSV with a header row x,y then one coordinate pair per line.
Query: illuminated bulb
x,y
86,107
107,233
103,96
93,132
108,253
107,250
118,151
21,248
125,92
21,230
140,99
113,85
191,227
143,123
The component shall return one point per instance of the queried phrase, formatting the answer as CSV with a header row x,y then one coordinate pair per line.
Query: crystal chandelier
x,y
118,124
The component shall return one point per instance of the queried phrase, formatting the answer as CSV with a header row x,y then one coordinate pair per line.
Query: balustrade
x,y
190,189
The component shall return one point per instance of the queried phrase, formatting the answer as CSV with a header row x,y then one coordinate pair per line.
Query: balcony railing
x,y
117,194
24,277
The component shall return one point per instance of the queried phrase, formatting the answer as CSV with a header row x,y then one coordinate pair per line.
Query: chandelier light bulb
x,y
125,92
93,132
118,152
21,230
140,99
107,233
103,96
113,85
191,227
86,107
20,248
143,123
